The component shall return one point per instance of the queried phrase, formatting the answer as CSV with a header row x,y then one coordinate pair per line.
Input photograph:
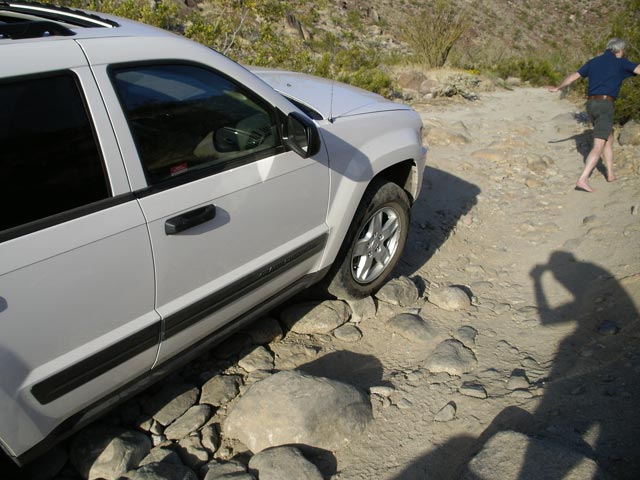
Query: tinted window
x,y
184,118
50,161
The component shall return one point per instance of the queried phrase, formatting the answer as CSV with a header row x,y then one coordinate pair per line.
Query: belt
x,y
601,97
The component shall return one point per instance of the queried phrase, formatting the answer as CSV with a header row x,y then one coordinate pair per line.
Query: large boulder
x,y
514,456
291,407
281,463
630,133
105,452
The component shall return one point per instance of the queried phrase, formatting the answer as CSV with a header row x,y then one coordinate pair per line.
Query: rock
x,y
412,327
348,333
362,308
467,335
518,380
294,408
161,454
450,298
171,402
446,413
504,456
264,331
192,420
215,470
452,357
162,471
521,393
443,136
210,438
258,359
411,80
608,328
192,453
381,390
533,182
404,404
220,390
401,291
101,451
630,133
472,389
312,318
280,463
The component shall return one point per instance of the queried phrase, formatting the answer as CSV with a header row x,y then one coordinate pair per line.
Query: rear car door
x,y
77,292
233,217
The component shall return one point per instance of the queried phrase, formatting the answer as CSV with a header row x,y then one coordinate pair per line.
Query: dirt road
x,y
555,279
553,326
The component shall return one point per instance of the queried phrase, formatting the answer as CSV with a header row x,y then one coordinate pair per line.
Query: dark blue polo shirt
x,y
606,73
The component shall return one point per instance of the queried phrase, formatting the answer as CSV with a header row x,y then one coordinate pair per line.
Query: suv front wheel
x,y
374,242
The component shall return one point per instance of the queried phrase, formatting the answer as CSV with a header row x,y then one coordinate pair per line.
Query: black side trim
x,y
101,406
179,321
82,372
86,370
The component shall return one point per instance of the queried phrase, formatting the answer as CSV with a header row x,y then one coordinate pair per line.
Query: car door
x,y
234,217
76,274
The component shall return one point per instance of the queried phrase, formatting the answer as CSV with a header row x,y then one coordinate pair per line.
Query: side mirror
x,y
301,135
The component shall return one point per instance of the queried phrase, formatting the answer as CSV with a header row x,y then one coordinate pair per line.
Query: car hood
x,y
330,98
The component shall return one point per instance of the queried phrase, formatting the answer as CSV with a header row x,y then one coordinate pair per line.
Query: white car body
x,y
100,301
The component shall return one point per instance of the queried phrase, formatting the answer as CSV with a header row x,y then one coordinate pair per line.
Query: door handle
x,y
189,219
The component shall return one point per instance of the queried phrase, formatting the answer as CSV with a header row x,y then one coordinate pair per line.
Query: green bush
x,y
626,25
537,70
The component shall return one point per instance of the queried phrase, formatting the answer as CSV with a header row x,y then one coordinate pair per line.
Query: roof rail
x,y
60,14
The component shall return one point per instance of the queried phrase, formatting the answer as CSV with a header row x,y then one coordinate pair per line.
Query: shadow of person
x,y
583,142
588,403
591,394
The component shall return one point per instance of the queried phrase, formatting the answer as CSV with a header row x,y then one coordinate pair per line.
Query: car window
x,y
50,159
184,118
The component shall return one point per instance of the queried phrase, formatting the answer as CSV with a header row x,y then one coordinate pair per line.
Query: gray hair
x,y
616,45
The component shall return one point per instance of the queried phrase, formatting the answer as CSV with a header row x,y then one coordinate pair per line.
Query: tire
x,y
374,243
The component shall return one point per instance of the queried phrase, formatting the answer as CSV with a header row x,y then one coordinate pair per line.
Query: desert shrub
x,y
357,66
537,70
433,32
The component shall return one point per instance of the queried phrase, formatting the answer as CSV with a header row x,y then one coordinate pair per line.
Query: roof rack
x,y
54,13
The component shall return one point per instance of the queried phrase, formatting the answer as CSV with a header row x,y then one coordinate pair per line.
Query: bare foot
x,y
611,178
580,185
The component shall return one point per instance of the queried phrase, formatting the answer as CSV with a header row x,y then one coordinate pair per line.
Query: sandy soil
x,y
555,279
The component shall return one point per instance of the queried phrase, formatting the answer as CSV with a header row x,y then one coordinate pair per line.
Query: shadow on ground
x,y
443,201
592,393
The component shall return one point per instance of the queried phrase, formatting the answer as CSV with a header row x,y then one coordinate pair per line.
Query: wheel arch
x,y
406,174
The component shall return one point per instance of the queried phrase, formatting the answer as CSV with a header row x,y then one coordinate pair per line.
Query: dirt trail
x,y
555,279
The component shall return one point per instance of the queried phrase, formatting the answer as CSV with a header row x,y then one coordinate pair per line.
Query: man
x,y
605,73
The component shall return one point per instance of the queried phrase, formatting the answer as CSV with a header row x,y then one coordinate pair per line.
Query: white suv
x,y
158,195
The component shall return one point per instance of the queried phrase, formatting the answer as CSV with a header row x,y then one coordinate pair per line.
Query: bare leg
x,y
590,163
608,158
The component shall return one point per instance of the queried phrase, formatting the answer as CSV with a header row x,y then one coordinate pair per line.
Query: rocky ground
x,y
507,345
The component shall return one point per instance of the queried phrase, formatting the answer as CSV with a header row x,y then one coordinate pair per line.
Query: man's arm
x,y
637,69
566,82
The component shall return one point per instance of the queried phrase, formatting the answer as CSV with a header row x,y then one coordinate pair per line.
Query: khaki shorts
x,y
601,113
